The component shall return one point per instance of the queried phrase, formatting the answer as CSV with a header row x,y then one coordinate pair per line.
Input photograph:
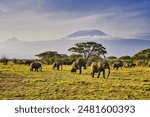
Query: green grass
x,y
17,82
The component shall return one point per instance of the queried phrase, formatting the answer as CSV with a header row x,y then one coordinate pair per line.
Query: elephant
x,y
36,66
117,65
98,67
57,65
78,64
131,65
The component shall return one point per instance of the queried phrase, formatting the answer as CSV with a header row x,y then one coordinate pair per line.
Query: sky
x,y
33,20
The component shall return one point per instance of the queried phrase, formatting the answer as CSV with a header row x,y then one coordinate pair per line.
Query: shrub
x,y
4,60
141,63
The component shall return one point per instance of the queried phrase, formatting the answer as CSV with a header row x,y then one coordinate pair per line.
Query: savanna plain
x,y
17,82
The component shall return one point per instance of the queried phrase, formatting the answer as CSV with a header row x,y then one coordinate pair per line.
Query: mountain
x,y
28,49
116,46
12,40
87,33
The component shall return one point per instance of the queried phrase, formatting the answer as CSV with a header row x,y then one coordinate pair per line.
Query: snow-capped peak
x,y
82,33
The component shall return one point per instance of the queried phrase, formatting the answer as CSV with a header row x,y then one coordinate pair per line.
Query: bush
x,y
4,60
141,63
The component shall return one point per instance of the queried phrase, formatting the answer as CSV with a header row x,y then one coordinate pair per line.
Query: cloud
x,y
48,19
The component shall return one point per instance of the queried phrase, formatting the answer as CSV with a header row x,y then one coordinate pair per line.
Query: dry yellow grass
x,y
17,82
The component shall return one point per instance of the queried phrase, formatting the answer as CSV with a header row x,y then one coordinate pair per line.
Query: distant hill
x,y
116,46
27,49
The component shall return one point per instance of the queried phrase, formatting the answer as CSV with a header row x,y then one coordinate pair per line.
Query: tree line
x,y
88,51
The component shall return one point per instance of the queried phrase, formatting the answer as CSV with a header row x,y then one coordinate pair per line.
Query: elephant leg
x,y
58,67
92,73
103,73
80,70
99,72
41,69
31,69
75,71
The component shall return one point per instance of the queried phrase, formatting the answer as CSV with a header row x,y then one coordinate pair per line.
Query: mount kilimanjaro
x,y
115,46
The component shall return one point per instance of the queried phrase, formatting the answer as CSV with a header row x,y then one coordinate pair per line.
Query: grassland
x,y
17,82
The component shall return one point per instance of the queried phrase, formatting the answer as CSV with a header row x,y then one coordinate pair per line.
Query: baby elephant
x,y
98,67
36,66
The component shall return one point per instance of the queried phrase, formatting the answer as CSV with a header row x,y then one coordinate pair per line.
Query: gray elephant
x,y
117,65
98,67
36,66
57,65
131,65
78,64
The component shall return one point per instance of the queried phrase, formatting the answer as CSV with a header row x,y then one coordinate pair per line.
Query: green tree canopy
x,y
47,54
50,56
142,55
86,49
125,57
111,58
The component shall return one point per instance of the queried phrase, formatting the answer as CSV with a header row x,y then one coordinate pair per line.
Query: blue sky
x,y
53,19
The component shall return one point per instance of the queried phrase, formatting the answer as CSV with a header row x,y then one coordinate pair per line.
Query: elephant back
x,y
75,64
94,66
81,62
36,64
103,65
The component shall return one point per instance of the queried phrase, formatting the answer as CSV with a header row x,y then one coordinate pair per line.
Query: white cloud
x,y
27,20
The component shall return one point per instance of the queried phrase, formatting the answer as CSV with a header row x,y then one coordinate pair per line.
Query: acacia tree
x,y
4,60
48,56
86,49
111,58
125,57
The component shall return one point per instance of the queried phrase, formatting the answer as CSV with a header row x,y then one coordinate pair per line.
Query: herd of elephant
x,y
96,66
